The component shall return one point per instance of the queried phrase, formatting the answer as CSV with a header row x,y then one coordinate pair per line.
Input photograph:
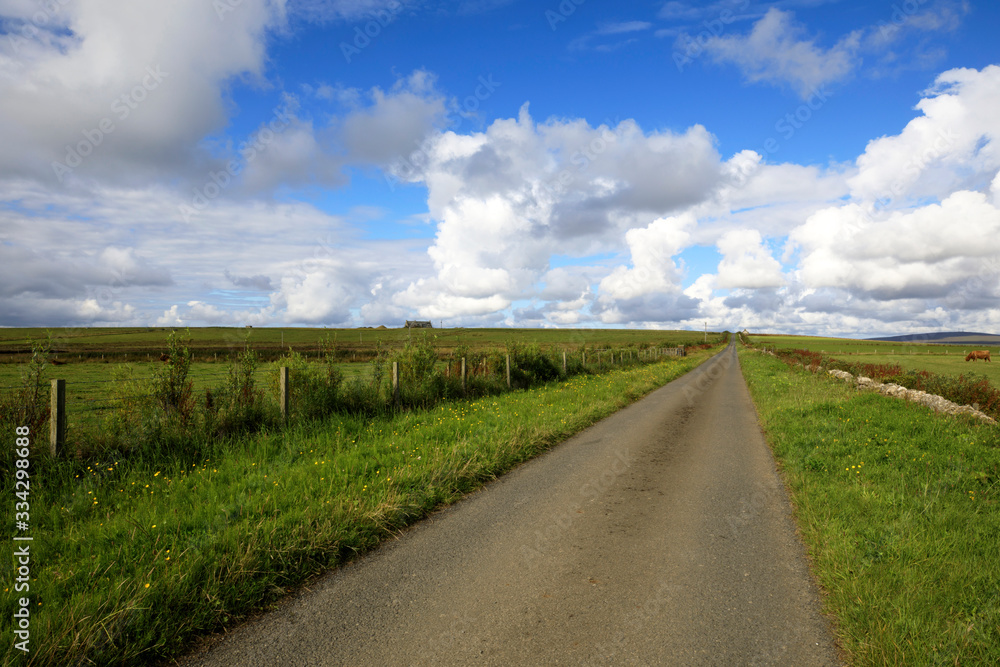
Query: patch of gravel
x,y
933,401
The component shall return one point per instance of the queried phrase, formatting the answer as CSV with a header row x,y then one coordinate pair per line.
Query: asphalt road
x,y
660,536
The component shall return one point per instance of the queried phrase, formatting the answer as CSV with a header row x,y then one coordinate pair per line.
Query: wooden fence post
x,y
564,362
57,417
508,371
395,384
286,391
463,375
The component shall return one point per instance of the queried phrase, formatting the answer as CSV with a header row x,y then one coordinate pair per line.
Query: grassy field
x,y
90,359
88,384
851,346
146,344
946,360
132,561
950,365
899,509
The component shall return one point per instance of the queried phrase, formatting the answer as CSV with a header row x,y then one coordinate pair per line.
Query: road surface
x,y
660,536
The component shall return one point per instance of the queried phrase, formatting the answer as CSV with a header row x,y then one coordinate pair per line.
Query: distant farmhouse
x,y
418,325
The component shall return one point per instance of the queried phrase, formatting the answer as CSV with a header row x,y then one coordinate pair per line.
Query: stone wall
x,y
934,402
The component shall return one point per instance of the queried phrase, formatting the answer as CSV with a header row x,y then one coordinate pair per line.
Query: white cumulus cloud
x,y
777,51
746,262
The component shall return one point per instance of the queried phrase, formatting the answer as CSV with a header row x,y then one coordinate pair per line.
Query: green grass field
x,y
144,344
950,365
134,558
898,507
851,346
88,383
946,360
88,359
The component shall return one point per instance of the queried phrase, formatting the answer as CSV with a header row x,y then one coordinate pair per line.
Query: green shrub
x,y
28,403
315,387
172,390
142,424
240,401
530,366
420,384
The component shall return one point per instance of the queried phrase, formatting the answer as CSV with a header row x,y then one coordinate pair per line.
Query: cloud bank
x,y
123,202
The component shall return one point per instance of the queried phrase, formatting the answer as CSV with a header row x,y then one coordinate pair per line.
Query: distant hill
x,y
950,337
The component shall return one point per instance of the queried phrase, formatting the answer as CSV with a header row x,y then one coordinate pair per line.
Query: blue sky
x,y
806,166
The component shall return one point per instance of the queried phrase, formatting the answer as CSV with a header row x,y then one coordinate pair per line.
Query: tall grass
x,y
136,555
27,404
899,509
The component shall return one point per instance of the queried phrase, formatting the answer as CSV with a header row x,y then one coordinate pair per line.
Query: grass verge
x,y
898,508
130,562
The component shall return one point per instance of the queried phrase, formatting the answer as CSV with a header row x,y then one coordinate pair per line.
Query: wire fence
x,y
88,400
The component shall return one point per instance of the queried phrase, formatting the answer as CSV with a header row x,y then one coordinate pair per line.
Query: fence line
x,y
57,395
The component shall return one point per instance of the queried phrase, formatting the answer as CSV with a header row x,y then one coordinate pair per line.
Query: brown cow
x,y
978,354
164,357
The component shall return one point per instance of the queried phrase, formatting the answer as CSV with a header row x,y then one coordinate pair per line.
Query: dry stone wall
x,y
934,402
